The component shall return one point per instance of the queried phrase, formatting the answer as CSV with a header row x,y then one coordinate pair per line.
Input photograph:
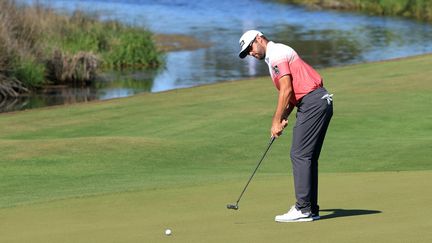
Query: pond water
x,y
322,38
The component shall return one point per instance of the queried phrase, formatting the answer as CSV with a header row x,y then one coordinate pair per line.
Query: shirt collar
x,y
269,46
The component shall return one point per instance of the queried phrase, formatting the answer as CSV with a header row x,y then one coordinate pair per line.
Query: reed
x,y
79,68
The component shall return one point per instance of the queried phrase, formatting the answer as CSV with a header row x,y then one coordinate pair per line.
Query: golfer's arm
x,y
287,111
285,93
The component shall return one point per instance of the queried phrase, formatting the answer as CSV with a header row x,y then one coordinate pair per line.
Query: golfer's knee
x,y
298,157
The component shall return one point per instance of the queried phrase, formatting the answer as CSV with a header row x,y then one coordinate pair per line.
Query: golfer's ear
x,y
260,38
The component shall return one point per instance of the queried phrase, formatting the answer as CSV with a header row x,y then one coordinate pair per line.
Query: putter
x,y
235,206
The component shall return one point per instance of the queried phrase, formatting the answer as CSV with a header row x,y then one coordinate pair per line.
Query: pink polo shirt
x,y
283,60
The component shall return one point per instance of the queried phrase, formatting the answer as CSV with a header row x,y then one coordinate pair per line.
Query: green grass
x,y
122,170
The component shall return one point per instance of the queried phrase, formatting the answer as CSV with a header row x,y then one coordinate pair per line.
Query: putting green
x,y
355,207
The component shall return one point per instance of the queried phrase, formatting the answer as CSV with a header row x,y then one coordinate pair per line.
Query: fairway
x,y
124,170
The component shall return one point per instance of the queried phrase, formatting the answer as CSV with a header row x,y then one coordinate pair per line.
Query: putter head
x,y
232,206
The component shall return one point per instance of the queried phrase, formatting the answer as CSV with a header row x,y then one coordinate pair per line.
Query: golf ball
x,y
168,232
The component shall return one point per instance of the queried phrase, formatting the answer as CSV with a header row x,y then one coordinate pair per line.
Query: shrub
x,y
30,72
132,48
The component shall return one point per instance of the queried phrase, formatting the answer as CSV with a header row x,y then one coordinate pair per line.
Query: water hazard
x,y
322,38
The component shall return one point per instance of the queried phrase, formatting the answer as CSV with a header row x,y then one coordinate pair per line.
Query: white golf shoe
x,y
294,215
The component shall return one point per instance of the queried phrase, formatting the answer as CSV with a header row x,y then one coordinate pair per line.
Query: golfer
x,y
301,86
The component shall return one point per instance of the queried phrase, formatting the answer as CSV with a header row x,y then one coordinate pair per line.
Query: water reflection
x,y
108,86
48,96
322,48
179,65
121,84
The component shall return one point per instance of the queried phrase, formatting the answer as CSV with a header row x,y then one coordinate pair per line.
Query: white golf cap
x,y
245,41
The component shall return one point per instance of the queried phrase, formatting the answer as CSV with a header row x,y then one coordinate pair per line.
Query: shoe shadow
x,y
336,213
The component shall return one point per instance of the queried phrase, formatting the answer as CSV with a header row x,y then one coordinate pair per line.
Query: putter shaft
x,y
231,206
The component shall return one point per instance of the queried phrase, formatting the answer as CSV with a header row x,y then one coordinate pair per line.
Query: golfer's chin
x,y
259,57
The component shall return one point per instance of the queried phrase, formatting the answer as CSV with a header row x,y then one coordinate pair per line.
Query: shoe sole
x,y
294,220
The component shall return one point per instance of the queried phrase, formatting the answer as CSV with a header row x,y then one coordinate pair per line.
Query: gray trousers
x,y
313,117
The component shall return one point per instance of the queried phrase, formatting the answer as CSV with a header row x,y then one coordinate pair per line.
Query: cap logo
x,y
242,44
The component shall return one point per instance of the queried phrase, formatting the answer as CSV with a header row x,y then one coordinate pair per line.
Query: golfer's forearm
x,y
285,93
282,107
287,112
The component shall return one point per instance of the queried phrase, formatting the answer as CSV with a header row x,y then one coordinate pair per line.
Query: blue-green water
x,y
322,38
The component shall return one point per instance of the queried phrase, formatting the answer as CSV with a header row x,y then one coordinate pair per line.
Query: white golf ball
x,y
168,232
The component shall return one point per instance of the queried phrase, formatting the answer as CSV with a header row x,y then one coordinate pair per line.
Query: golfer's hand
x,y
278,127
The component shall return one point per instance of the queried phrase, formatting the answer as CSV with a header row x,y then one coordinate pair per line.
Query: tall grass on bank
x,y
39,46
18,49
120,46
418,9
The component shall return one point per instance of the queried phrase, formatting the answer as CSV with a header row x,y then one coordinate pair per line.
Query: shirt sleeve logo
x,y
276,69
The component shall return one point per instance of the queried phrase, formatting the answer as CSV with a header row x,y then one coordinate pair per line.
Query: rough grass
x,y
174,159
